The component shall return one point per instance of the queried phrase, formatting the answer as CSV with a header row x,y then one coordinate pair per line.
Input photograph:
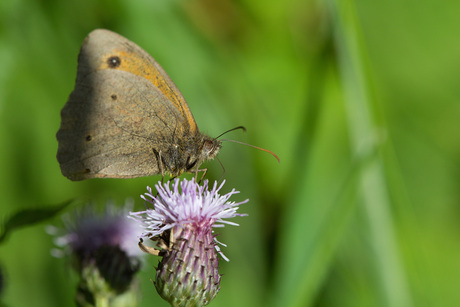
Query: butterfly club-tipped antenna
x,y
230,130
256,147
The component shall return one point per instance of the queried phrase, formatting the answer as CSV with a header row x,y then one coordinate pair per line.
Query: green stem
x,y
102,300
365,138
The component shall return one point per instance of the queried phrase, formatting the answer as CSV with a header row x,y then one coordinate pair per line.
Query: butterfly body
x,y
126,118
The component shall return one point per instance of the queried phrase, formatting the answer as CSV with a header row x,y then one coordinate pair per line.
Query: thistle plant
x,y
180,220
103,250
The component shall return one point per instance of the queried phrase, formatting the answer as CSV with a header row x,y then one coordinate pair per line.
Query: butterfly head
x,y
209,149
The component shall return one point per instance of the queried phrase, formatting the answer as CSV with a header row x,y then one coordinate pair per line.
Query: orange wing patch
x,y
130,62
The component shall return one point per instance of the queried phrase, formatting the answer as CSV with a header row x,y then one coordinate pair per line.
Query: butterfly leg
x,y
204,170
223,170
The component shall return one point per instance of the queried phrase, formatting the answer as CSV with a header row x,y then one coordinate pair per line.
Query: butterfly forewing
x,y
112,123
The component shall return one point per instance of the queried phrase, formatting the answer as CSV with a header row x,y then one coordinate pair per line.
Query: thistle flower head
x,y
181,219
102,247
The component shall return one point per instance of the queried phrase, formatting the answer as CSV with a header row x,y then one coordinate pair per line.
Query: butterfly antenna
x,y
233,129
263,149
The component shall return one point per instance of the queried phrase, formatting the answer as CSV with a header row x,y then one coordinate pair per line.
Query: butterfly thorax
x,y
188,154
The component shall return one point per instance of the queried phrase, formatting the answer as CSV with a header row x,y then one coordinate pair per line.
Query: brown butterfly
x,y
126,118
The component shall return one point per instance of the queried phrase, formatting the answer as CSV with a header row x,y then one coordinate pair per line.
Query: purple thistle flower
x,y
182,221
88,230
103,250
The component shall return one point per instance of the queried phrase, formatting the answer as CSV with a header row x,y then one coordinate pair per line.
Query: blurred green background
x,y
360,100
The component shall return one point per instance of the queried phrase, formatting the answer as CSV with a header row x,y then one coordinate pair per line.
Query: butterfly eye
x,y
209,146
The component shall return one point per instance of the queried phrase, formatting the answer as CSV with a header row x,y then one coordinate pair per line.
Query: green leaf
x,y
29,217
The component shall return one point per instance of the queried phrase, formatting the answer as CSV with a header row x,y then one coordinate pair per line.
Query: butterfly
x,y
126,118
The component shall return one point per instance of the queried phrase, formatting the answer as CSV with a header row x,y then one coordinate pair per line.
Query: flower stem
x,y
102,301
